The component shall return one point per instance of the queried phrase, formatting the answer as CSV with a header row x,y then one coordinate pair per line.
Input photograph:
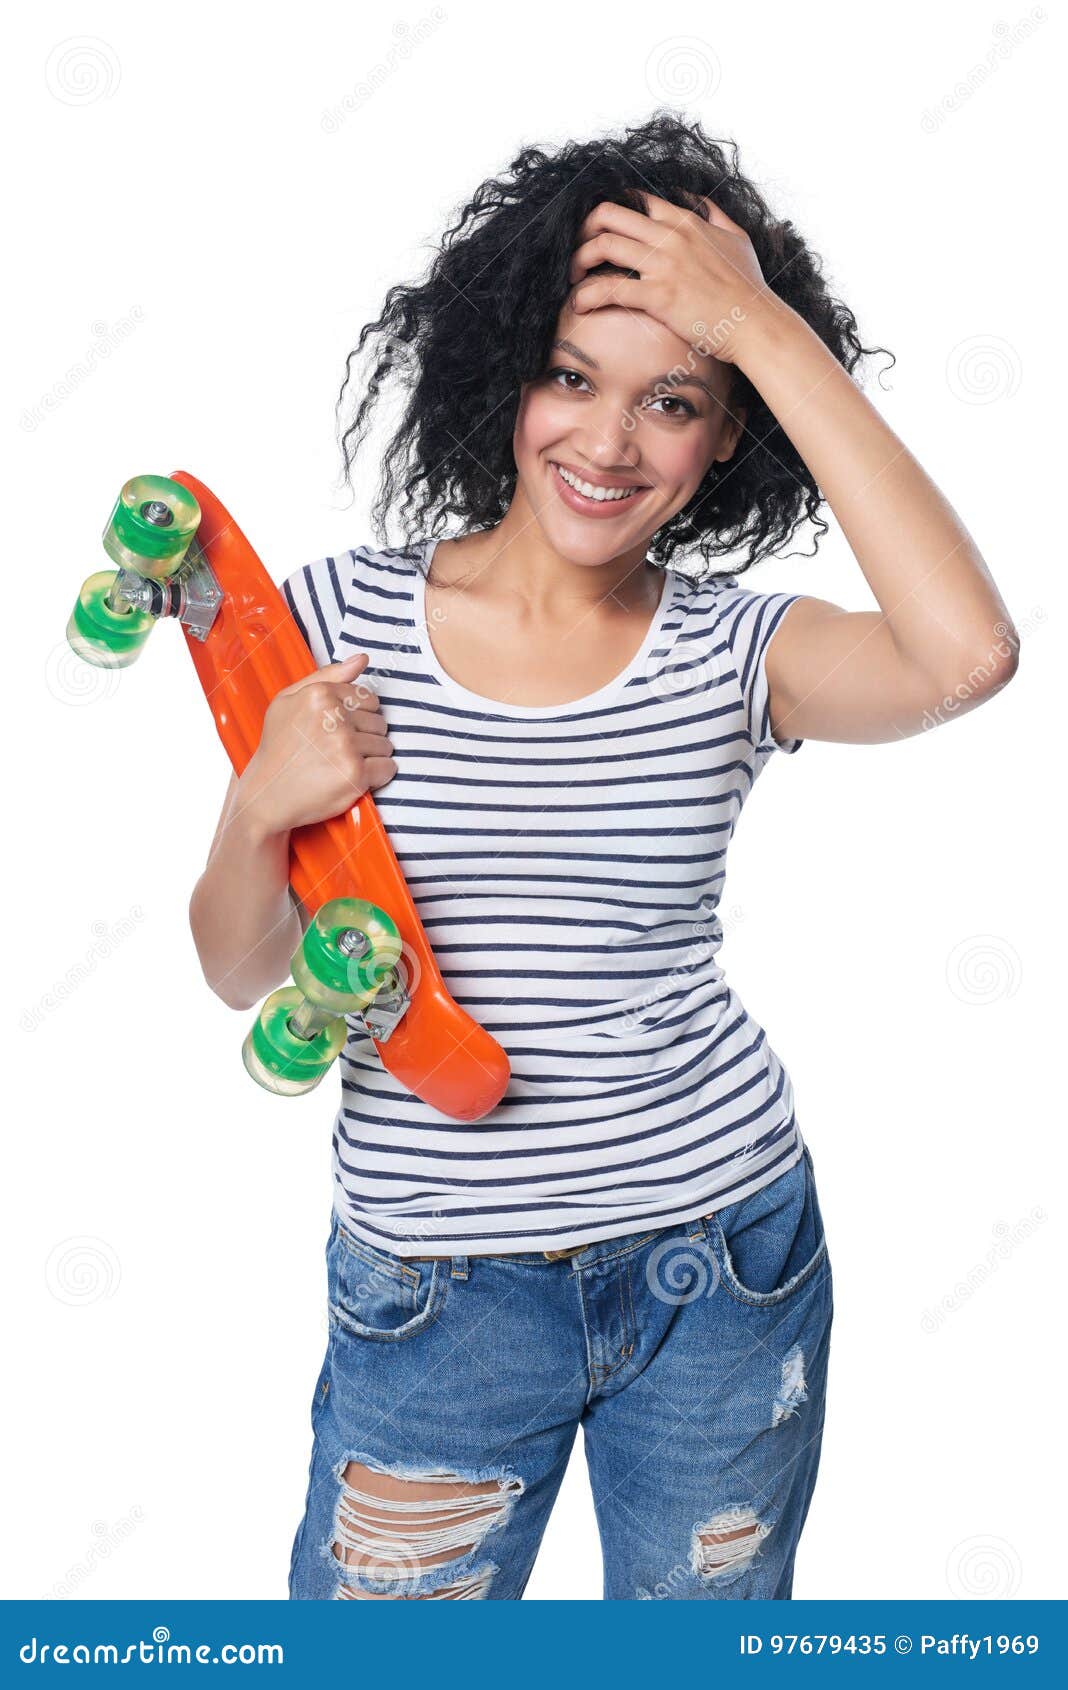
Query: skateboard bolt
x,y
130,590
352,943
157,512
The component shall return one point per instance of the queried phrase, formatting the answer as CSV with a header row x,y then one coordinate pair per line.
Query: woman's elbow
x,y
997,668
224,990
224,983
989,673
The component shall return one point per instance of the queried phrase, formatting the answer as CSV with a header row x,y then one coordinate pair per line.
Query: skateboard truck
x,y
345,961
151,535
193,595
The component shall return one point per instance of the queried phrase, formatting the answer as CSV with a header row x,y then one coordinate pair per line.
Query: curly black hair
x,y
463,341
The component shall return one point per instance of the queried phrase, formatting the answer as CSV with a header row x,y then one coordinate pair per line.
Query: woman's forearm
x,y
244,924
922,565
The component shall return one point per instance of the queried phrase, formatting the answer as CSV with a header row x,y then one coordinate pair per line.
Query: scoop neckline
x,y
481,702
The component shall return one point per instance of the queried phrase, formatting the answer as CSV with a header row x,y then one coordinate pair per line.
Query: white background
x,y
207,206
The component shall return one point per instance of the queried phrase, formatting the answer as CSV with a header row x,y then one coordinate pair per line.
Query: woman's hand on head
x,y
324,744
700,279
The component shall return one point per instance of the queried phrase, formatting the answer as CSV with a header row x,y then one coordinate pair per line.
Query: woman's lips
x,y
577,501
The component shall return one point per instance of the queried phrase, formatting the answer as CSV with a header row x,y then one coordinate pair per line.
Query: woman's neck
x,y
526,569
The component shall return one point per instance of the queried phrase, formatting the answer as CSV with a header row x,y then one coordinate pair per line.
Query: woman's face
x,y
623,404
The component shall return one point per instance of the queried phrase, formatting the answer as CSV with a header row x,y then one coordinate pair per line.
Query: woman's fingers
x,y
333,691
378,771
609,290
357,711
610,218
346,670
372,744
719,219
608,247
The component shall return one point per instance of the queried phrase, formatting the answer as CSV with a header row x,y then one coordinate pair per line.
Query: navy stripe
x,y
637,1216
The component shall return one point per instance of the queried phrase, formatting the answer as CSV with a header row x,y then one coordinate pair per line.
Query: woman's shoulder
x,y
367,581
705,602
742,623
740,610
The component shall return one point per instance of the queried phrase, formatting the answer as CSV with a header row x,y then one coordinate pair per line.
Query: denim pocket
x,y
770,1244
375,1294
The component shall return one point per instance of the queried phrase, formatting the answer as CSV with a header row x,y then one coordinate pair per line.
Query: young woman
x,y
619,356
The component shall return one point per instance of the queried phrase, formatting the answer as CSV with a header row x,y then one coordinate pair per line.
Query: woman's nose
x,y
607,441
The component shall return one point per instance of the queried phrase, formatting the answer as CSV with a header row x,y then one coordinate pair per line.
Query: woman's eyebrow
x,y
576,352
670,378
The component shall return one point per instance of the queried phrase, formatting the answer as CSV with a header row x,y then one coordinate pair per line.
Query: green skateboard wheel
x,y
277,1058
151,526
346,955
106,634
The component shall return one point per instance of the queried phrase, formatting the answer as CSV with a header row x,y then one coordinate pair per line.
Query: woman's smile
x,y
596,496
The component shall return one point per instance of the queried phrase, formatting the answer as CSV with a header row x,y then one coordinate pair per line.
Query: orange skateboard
x,y
365,954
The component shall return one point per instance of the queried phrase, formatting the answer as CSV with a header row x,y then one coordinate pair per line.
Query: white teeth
x,y
589,491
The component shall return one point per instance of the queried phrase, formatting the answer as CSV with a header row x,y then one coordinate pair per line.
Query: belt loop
x,y
459,1268
700,1234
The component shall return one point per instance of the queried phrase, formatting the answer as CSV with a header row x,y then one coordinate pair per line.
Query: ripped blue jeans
x,y
694,1358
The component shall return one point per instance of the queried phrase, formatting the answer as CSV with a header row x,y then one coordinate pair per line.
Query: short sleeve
x,y
316,600
750,621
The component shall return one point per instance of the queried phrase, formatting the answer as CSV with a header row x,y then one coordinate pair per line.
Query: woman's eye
x,y
685,408
553,374
567,379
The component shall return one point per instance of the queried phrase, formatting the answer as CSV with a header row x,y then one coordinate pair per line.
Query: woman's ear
x,y
732,433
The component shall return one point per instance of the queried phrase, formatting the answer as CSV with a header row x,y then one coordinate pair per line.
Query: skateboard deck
x,y
251,650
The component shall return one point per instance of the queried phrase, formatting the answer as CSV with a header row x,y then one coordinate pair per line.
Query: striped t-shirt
x,y
566,862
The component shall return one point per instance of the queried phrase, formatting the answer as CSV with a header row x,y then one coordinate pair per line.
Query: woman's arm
x,y
942,639
245,925
323,745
